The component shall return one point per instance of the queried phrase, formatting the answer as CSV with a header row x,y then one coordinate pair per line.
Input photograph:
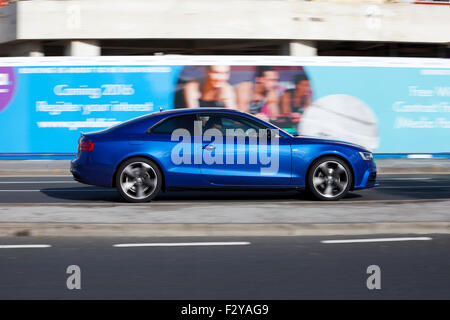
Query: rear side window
x,y
168,126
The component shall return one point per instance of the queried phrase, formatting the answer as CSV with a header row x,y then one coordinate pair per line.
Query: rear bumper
x,y
98,175
76,171
76,174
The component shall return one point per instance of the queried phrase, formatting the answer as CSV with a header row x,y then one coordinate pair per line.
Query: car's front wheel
x,y
329,179
138,180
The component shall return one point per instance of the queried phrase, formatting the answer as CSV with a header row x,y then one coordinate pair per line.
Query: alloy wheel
x,y
330,179
138,180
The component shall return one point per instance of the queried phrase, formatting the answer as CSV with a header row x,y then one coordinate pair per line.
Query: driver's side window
x,y
230,124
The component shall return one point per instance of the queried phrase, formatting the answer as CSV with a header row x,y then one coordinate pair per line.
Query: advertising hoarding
x,y
389,105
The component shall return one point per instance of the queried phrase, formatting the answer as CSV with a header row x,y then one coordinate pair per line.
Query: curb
x,y
200,230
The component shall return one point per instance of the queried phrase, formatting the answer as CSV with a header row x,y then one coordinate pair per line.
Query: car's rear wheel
x,y
329,179
138,180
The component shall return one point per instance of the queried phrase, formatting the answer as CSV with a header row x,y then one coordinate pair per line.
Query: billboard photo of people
x,y
278,94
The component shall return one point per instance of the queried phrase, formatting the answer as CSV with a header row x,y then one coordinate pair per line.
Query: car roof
x,y
159,116
172,112
196,110
181,111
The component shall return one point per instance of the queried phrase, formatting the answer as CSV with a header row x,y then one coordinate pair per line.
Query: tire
x,y
329,179
138,180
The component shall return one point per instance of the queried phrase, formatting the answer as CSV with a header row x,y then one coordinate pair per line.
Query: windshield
x,y
271,125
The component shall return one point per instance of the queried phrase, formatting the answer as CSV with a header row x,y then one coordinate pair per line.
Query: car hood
x,y
315,140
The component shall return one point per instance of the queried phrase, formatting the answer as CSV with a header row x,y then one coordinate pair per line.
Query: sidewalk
x,y
220,230
61,167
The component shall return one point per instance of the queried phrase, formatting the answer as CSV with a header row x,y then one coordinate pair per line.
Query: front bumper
x,y
369,181
369,175
372,179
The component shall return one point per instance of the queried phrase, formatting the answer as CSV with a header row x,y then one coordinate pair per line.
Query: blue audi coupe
x,y
217,148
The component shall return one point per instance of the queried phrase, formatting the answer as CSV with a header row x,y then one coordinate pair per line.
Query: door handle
x,y
209,147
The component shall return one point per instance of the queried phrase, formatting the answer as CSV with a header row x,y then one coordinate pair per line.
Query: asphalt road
x,y
60,189
251,268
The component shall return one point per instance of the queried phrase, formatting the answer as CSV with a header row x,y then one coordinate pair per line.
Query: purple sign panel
x,y
6,86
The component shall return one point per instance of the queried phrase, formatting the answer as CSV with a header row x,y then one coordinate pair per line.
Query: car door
x,y
242,156
176,150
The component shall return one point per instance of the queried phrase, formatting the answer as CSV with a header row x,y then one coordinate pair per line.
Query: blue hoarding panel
x,y
395,106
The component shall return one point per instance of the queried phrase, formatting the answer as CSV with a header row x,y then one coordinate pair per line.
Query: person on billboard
x,y
296,100
209,90
265,102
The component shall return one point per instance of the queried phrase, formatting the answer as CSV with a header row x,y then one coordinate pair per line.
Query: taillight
x,y
85,145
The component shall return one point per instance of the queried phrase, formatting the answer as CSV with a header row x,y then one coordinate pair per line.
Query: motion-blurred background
x,y
388,89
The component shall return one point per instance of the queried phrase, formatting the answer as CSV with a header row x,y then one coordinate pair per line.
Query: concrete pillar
x,y
83,48
300,48
27,49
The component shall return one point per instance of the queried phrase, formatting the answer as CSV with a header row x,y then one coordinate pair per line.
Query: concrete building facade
x,y
268,27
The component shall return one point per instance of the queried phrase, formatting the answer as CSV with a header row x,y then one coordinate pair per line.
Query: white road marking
x,y
37,160
406,179
377,240
24,246
60,190
419,156
412,187
181,244
37,176
38,182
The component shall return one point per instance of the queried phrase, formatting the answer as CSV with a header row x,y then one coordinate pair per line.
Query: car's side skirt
x,y
228,188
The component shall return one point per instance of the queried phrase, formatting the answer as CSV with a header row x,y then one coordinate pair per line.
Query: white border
x,y
173,60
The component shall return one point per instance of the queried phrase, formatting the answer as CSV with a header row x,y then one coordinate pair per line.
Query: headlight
x,y
367,156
